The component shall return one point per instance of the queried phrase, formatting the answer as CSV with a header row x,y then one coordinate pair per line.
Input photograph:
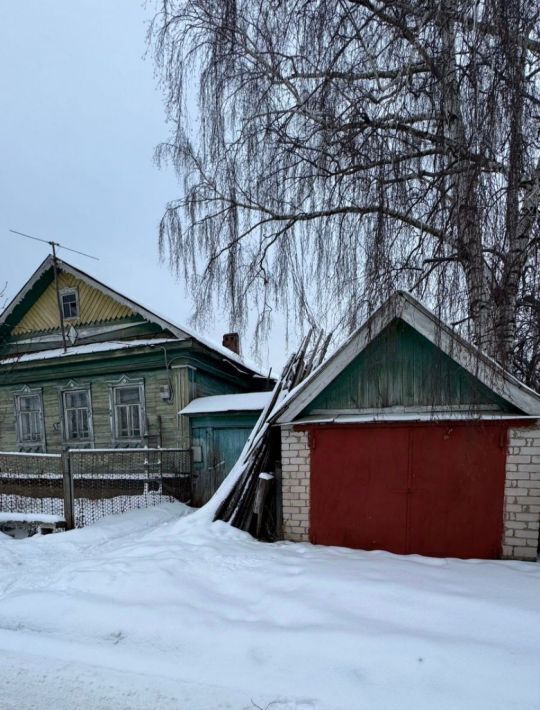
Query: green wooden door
x,y
221,448
228,445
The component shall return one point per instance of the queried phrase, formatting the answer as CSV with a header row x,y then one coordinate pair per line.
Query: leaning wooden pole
x,y
249,502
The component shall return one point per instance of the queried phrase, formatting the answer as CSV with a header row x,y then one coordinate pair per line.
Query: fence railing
x,y
31,484
83,485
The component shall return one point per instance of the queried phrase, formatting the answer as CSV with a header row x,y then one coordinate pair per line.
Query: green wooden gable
x,y
402,368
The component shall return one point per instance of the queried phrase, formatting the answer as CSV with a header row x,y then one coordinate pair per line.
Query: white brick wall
x,y
522,494
295,484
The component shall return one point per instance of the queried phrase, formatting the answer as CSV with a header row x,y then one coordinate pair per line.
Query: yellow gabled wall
x,y
94,305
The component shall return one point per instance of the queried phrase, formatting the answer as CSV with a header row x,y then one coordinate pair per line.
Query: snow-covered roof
x,y
404,306
245,402
179,331
85,349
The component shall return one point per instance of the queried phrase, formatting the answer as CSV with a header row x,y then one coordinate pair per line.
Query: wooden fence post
x,y
69,513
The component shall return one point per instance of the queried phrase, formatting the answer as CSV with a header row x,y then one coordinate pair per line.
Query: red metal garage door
x,y
428,489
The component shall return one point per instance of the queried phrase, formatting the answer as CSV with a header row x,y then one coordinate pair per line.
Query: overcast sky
x,y
80,117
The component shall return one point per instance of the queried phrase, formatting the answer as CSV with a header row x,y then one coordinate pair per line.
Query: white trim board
x,y
407,418
404,306
84,332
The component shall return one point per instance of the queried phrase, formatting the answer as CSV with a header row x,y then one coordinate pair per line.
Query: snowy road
x,y
155,609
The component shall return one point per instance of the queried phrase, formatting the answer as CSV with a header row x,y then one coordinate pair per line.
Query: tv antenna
x,y
54,246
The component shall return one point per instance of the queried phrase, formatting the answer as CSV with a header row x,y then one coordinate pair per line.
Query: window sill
x,y
27,448
128,444
79,443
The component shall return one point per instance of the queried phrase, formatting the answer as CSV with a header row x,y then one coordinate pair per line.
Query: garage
x,y
435,489
409,439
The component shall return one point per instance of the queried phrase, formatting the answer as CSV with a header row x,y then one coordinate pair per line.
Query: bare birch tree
x,y
345,148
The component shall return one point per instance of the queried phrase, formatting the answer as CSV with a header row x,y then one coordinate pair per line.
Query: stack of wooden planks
x,y
253,504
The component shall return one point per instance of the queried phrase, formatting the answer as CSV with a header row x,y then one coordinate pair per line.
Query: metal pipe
x,y
58,299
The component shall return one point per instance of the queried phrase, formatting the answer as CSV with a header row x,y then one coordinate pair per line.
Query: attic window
x,y
70,303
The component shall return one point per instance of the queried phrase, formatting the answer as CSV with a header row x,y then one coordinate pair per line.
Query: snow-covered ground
x,y
157,609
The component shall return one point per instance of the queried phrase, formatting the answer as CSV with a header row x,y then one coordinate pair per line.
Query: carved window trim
x,y
34,417
70,387
130,439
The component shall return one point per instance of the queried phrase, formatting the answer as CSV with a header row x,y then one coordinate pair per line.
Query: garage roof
x,y
405,307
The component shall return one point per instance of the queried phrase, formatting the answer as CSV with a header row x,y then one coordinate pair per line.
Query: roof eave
x,y
165,324
25,290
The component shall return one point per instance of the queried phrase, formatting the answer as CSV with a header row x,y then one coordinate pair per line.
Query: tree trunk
x,y
517,226
465,185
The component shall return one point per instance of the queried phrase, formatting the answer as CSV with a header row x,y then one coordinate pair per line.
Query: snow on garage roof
x,y
245,402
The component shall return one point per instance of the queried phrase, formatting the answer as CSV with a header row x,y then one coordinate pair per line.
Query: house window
x,y
128,411
70,303
29,412
77,415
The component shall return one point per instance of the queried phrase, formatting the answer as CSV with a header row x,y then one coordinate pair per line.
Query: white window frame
x,y
123,383
29,443
68,292
65,420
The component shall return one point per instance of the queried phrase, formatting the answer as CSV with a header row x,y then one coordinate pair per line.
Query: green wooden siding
x,y
402,368
155,408
191,375
207,385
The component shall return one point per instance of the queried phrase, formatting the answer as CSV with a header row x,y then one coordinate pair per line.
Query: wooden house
x,y
409,439
82,365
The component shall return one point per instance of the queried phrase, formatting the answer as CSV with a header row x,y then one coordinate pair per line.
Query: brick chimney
x,y
232,342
